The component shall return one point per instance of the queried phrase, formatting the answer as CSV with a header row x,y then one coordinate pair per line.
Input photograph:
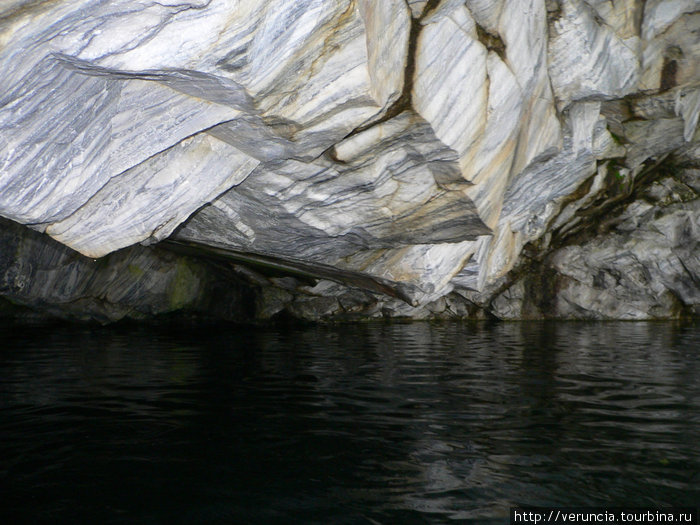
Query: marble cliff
x,y
340,159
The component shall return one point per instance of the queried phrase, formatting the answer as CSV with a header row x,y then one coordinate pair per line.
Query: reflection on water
x,y
400,423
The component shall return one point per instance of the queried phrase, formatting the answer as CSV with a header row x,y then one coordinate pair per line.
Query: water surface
x,y
399,423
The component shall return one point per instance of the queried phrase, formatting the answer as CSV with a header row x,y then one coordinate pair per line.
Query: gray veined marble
x,y
446,152
65,135
171,174
91,90
392,186
588,60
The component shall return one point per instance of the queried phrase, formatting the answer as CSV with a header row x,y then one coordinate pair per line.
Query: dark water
x,y
403,423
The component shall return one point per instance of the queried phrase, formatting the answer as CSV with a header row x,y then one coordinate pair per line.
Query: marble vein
x,y
418,146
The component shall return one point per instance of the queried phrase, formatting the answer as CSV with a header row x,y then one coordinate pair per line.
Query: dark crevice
x,y
404,101
554,10
492,42
430,6
600,217
639,16
668,75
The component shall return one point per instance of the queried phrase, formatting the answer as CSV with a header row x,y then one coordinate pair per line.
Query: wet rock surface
x,y
41,278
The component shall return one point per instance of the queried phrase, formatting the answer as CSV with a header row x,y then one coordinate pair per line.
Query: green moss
x,y
134,270
184,287
615,171
616,138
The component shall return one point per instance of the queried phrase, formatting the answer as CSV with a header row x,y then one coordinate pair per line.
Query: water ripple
x,y
409,423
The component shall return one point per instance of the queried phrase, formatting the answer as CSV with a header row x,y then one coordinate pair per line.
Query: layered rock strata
x,y
394,158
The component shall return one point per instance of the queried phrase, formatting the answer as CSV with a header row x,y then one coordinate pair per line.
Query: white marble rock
x,y
419,143
92,89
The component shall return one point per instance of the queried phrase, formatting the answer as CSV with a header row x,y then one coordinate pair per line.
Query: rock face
x,y
441,158
644,264
40,277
